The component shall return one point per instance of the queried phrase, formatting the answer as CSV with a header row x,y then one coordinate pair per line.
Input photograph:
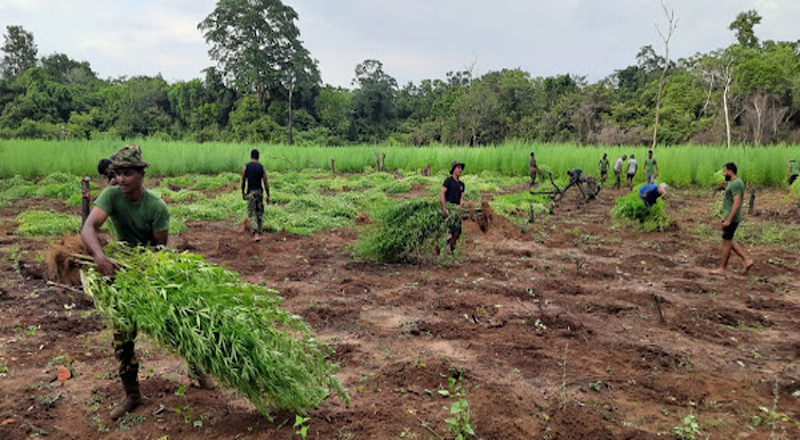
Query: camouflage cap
x,y
130,156
455,164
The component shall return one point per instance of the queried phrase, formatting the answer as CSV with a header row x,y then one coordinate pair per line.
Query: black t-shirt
x,y
454,190
254,173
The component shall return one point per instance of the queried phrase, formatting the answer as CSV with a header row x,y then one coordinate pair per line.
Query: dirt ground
x,y
574,329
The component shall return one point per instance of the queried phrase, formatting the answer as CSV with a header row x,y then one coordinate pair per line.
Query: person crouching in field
x,y
140,219
253,175
649,194
731,216
453,192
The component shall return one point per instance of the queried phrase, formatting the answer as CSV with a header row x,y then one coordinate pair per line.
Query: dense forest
x,y
266,87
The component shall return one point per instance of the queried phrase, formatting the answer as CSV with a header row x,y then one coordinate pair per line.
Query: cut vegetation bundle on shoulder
x,y
231,329
410,231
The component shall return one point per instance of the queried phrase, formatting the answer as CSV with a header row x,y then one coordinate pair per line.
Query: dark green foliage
x,y
407,232
233,330
630,207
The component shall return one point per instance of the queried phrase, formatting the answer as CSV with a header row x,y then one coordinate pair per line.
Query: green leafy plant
x,y
688,430
630,207
47,223
407,232
459,423
302,428
231,329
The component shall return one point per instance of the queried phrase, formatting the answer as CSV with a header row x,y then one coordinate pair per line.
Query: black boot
x,y
133,398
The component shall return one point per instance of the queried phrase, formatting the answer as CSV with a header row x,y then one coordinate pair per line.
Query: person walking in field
x,y
632,167
140,219
533,170
453,192
650,169
603,165
618,170
253,175
649,194
793,171
731,217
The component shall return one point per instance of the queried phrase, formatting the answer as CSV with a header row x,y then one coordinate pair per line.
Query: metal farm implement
x,y
586,185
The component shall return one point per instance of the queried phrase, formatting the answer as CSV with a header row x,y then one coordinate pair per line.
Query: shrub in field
x,y
233,330
630,207
406,232
47,223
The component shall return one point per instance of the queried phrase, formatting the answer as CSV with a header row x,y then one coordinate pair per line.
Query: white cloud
x,y
415,39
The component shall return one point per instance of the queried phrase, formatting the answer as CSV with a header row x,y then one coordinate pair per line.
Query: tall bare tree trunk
x,y
291,93
672,24
727,71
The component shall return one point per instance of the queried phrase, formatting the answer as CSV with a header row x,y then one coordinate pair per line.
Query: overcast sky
x,y
415,39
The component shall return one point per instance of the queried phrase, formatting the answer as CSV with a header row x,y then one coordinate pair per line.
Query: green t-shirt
x,y
603,165
735,187
134,222
794,168
650,166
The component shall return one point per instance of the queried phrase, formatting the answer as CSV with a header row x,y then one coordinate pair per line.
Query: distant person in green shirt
x,y
603,165
731,217
793,171
650,168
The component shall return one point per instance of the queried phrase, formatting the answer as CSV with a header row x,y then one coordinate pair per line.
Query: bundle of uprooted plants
x,y
630,207
410,231
231,329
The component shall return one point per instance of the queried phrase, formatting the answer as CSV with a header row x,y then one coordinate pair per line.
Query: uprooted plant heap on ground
x,y
233,330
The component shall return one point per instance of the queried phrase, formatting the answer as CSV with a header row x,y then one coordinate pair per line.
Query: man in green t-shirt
x,y
140,218
793,171
650,168
603,165
731,217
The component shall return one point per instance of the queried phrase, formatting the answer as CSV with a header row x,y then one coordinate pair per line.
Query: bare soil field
x,y
573,329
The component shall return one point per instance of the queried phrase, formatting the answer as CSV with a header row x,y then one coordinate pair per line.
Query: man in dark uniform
x,y
453,192
140,219
253,175
533,170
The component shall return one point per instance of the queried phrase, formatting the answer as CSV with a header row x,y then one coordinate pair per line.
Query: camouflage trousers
x,y
255,210
127,363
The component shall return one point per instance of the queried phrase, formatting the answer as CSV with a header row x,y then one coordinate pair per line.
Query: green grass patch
x,y
516,207
47,224
235,331
629,208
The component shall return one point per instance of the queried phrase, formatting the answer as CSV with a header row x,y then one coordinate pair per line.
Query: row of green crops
x,y
679,166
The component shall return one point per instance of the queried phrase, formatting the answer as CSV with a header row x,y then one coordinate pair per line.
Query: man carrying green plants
x,y
650,169
603,165
793,171
140,218
253,175
453,192
731,217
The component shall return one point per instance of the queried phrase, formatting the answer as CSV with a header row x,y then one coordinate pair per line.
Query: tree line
x,y
266,87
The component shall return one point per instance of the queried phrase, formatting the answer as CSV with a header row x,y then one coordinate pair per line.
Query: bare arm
x,y
89,237
461,202
737,202
244,175
441,199
160,237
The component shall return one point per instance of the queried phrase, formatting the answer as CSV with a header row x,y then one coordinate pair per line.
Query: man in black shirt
x,y
253,174
453,192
